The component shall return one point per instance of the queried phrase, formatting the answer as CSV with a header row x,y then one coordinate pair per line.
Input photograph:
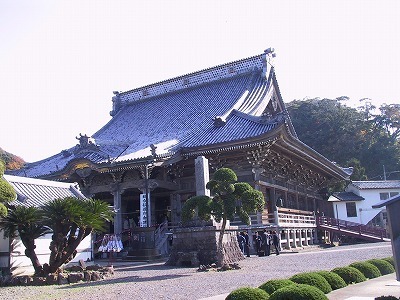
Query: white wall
x,y
18,258
365,212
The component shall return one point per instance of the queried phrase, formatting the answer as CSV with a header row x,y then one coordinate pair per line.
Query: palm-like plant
x,y
72,220
69,219
27,222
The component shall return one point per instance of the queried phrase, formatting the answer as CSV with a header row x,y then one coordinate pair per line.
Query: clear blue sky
x,y
61,60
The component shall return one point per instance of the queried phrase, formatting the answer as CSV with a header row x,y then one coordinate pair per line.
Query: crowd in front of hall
x,y
263,243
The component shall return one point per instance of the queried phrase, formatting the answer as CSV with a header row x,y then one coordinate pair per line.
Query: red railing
x,y
351,226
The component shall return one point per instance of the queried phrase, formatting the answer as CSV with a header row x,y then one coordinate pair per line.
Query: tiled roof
x,y
347,196
177,113
233,130
36,192
388,184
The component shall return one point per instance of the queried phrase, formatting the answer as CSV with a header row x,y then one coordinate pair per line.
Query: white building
x,y
36,192
355,204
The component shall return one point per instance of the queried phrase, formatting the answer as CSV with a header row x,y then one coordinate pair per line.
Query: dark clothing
x,y
266,243
275,241
257,243
246,245
241,242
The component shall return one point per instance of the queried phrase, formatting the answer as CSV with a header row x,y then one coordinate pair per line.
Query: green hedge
x,y
248,293
312,279
369,270
389,260
275,284
350,274
333,279
314,285
298,292
383,266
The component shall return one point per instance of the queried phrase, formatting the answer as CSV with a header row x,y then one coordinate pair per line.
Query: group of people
x,y
261,242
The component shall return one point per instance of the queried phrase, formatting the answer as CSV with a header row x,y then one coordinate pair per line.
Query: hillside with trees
x,y
11,161
366,138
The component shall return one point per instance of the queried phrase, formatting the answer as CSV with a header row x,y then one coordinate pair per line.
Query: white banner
x,y
143,211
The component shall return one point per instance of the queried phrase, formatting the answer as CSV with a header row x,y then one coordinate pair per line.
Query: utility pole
x,y
384,173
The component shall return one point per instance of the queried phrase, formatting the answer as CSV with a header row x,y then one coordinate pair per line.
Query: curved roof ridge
x,y
241,100
193,79
253,96
252,102
266,92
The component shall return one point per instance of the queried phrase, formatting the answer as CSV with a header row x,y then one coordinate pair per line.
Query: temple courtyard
x,y
133,280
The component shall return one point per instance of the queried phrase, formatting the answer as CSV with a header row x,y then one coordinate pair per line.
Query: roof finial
x,y
116,103
269,54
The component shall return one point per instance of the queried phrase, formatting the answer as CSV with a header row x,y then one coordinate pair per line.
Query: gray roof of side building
x,y
347,196
388,184
37,192
387,202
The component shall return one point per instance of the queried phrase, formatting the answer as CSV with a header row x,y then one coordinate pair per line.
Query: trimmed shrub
x,y
275,284
333,279
313,279
350,274
389,260
383,266
3,210
369,270
298,292
7,193
248,293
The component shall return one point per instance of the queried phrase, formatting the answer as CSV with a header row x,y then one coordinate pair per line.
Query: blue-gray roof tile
x,y
37,192
178,113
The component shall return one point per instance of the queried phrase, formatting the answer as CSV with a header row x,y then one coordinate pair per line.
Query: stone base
x,y
143,255
195,246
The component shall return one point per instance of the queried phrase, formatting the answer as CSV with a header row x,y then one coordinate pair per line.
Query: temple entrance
x,y
130,208
162,209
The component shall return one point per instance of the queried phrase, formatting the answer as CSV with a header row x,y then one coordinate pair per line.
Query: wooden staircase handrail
x,y
351,226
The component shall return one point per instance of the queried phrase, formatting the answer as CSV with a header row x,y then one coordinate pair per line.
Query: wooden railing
x,y
351,226
296,220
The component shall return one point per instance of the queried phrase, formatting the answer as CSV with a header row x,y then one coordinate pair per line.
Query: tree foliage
x,y
229,199
7,192
11,161
27,222
361,138
69,220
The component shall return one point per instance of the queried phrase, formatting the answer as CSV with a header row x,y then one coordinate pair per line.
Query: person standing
x,y
265,242
257,243
247,244
275,241
241,241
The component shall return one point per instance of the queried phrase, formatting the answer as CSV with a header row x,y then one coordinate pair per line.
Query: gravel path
x,y
156,281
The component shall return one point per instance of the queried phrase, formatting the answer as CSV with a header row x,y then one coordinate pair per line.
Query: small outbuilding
x,y
356,203
36,192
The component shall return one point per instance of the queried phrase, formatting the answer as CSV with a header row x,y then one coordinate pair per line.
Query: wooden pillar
x,y
117,208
